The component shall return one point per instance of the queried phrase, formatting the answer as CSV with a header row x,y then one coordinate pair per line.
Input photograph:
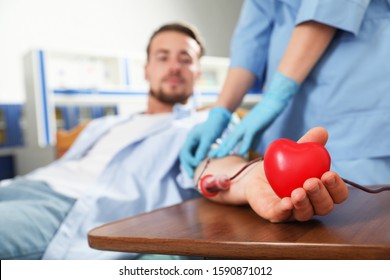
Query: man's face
x,y
173,67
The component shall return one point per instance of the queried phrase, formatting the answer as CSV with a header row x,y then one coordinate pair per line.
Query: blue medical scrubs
x,y
348,91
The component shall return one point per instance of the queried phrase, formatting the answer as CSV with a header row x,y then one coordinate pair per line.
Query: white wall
x,y
100,25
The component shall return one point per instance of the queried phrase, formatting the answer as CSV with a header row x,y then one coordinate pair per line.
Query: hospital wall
x,y
102,26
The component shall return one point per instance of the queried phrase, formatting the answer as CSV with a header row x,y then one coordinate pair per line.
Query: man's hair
x,y
184,28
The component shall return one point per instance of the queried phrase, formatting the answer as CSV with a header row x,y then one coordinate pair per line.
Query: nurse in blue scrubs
x,y
320,63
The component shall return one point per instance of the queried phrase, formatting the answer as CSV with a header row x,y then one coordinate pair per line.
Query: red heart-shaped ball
x,y
288,164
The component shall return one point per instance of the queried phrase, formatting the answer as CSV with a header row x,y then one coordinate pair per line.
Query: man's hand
x,y
315,197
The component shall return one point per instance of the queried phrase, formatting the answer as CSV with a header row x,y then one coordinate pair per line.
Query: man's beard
x,y
170,99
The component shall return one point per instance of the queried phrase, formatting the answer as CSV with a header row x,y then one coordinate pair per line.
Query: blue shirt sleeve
x,y
346,15
251,37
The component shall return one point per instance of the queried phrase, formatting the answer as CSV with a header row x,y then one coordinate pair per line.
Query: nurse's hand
x,y
276,98
201,137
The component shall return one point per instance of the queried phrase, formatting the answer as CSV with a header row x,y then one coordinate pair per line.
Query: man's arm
x,y
316,197
228,165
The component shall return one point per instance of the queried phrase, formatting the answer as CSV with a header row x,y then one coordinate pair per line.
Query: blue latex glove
x,y
201,137
275,99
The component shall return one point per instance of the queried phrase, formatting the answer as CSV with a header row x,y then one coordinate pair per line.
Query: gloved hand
x,y
275,99
201,137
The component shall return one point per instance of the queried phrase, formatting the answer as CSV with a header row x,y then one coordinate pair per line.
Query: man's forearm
x,y
229,166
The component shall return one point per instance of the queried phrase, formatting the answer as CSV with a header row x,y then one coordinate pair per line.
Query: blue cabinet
x,y
10,136
68,117
7,168
10,129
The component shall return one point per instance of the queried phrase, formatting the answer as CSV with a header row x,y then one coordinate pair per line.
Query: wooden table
x,y
357,229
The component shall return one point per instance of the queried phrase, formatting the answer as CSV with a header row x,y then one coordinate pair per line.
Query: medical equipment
x,y
210,185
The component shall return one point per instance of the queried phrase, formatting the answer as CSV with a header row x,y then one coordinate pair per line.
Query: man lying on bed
x,y
119,166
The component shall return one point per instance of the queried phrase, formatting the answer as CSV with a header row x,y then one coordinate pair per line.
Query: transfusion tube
x,y
210,185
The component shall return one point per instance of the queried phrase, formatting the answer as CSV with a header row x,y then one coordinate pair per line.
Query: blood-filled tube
x,y
210,185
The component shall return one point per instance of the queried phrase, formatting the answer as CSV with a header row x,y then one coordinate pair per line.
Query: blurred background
x,y
101,26
65,62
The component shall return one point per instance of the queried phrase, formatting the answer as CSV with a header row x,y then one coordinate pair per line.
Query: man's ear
x,y
146,72
198,74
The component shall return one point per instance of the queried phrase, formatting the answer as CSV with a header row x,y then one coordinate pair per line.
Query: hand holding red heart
x,y
288,165
313,195
304,189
